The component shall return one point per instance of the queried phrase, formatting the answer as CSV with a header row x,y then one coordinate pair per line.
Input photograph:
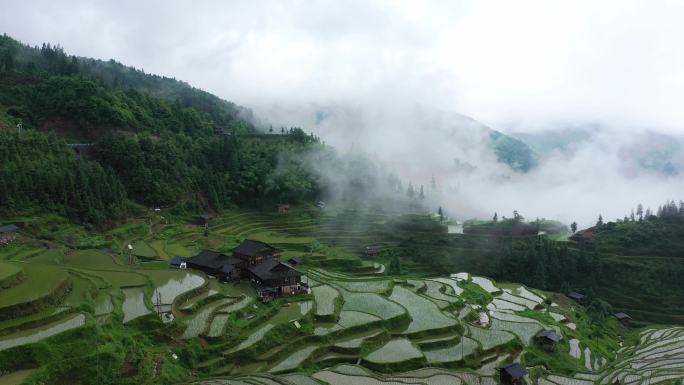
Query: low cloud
x,y
390,78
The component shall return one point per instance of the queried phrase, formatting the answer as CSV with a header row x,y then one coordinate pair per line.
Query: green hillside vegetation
x,y
46,87
153,142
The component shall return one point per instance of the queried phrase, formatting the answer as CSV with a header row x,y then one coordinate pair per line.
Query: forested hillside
x,y
46,88
151,140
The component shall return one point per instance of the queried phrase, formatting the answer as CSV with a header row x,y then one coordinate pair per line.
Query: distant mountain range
x,y
647,151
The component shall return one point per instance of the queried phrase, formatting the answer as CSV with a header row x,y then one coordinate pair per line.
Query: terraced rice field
x,y
294,360
523,330
170,284
324,297
198,323
384,323
8,270
41,281
425,314
30,336
372,303
395,351
486,284
378,286
454,353
134,304
489,339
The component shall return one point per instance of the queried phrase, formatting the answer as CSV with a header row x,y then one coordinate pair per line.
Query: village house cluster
x,y
256,261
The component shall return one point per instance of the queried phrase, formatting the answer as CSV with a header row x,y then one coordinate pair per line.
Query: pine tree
x,y
573,227
410,192
395,266
495,218
421,195
640,212
600,220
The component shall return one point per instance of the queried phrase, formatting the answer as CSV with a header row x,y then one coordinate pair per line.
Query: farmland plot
x,y
376,286
524,330
174,285
505,296
253,338
486,284
294,360
454,353
457,290
395,351
488,338
324,297
372,303
434,290
348,319
197,324
40,333
425,315
499,304
134,304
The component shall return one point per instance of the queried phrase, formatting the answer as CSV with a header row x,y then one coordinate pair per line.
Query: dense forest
x,y
46,87
38,171
151,140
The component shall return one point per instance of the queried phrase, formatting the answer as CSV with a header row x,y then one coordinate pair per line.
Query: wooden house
x,y
216,264
283,209
295,261
548,339
276,278
624,318
178,263
577,297
586,235
372,251
8,234
255,252
512,374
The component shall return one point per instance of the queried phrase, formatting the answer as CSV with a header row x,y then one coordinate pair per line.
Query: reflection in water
x,y
34,335
134,304
167,293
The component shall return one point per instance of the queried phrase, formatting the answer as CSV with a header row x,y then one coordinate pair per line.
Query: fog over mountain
x,y
418,86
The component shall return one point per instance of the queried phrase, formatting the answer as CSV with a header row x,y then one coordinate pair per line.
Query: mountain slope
x,y
84,78
155,136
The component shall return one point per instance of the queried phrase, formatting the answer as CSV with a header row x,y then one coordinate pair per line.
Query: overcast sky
x,y
522,65
391,75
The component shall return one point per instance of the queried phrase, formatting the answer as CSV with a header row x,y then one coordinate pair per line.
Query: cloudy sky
x,y
383,65
522,64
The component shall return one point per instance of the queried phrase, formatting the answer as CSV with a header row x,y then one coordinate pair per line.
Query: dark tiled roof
x,y
575,295
621,316
176,261
295,260
549,334
212,259
8,228
273,268
252,248
514,370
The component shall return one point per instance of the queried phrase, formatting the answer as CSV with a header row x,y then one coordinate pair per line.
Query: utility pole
x,y
159,304
20,125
